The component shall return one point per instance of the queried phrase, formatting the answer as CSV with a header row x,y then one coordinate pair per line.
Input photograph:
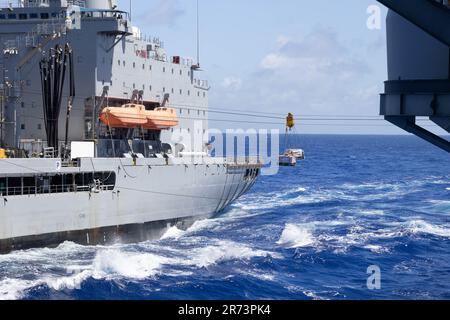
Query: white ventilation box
x,y
82,149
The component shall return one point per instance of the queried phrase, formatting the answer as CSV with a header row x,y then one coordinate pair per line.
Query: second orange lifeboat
x,y
136,116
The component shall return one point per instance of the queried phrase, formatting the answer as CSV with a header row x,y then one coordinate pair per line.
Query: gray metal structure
x,y
132,181
418,44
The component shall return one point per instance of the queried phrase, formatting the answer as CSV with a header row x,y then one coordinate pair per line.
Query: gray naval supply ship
x,y
92,113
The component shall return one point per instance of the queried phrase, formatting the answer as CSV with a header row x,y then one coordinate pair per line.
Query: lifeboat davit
x,y
136,116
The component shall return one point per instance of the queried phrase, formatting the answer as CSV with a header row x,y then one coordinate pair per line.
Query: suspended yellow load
x,y
290,121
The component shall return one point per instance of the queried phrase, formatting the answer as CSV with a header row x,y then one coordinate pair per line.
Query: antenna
x,y
130,10
197,66
198,35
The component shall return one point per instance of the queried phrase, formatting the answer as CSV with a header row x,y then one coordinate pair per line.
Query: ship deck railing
x,y
52,189
104,13
74,163
244,161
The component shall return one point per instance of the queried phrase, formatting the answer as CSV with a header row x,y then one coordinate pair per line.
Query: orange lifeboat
x,y
135,116
161,119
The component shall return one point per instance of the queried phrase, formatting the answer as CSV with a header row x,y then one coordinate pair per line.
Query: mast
x,y
197,65
198,34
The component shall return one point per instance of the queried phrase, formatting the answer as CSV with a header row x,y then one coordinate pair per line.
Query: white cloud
x,y
315,74
318,56
232,83
283,40
275,61
165,12
318,69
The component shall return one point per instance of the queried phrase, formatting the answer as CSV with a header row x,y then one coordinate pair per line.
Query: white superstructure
x,y
99,183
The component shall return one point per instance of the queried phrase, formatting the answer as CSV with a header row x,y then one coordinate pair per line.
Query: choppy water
x,y
308,233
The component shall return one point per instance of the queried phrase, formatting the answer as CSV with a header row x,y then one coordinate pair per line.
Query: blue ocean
x,y
310,232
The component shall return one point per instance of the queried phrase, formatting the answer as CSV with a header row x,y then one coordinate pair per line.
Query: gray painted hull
x,y
150,193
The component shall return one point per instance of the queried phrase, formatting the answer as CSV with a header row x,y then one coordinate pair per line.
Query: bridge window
x,y
12,16
14,186
33,16
2,16
23,16
2,186
44,15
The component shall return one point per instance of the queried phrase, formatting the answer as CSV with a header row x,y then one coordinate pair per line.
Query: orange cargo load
x,y
135,116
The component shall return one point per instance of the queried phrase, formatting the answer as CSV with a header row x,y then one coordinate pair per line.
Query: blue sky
x,y
305,57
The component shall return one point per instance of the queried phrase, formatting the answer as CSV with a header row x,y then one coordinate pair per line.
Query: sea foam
x,y
296,236
420,226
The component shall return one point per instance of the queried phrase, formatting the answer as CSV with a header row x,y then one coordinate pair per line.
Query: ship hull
x,y
148,196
